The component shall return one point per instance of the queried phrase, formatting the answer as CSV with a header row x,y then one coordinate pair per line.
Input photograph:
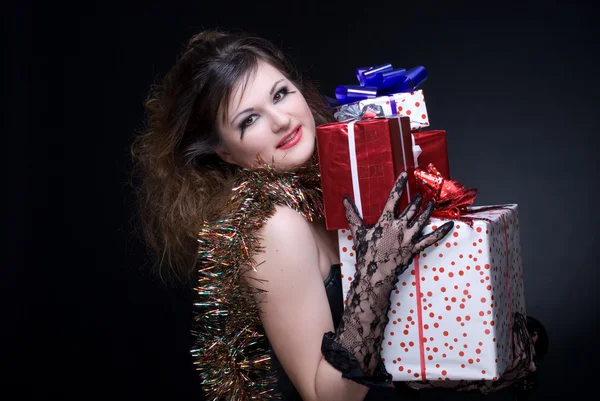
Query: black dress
x,y
333,287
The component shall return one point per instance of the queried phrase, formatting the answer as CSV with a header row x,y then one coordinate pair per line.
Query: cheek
x,y
256,140
302,110
309,118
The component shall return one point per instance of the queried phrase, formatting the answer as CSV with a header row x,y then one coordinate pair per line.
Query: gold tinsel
x,y
229,350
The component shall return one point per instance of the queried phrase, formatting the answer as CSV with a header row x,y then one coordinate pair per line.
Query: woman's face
x,y
270,118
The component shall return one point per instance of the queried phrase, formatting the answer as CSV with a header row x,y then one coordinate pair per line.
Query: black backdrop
x,y
513,85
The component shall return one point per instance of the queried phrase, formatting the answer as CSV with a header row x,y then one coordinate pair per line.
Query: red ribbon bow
x,y
450,197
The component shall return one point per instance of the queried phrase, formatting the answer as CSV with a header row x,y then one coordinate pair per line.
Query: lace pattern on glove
x,y
383,252
350,367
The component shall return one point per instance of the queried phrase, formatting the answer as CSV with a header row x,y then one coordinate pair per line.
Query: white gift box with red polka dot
x,y
451,312
410,104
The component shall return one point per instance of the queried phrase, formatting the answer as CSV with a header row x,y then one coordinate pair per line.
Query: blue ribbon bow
x,y
380,81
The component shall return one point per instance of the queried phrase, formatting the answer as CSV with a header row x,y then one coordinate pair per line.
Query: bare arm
x,y
295,311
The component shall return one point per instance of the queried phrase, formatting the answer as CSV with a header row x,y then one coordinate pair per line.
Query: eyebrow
x,y
274,85
251,108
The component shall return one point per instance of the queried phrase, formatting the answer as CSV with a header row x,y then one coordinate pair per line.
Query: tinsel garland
x,y
229,349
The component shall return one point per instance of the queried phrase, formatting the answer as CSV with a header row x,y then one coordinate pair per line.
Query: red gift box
x,y
433,150
377,150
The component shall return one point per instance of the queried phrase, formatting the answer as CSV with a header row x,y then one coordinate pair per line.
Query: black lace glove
x,y
383,252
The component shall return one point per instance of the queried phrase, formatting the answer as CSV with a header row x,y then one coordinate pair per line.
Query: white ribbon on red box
x,y
348,258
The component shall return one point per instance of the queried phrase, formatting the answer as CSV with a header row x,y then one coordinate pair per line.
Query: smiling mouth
x,y
289,137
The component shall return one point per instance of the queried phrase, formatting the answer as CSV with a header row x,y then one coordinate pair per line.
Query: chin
x,y
297,156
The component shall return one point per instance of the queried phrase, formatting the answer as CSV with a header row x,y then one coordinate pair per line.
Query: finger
x,y
396,194
434,236
423,218
352,216
413,207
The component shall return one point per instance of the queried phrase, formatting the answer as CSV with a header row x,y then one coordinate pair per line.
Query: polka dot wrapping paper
x,y
410,104
451,312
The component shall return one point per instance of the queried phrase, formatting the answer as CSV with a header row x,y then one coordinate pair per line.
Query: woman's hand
x,y
387,249
382,253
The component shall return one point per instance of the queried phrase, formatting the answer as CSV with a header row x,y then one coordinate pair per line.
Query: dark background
x,y
515,86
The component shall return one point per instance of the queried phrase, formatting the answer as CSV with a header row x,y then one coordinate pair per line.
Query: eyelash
x,y
284,90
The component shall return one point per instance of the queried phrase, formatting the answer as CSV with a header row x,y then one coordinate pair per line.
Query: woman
x,y
228,196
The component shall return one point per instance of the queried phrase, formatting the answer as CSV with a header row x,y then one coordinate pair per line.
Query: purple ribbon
x,y
380,81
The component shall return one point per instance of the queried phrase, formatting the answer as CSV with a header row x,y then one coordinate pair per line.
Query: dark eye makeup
x,y
277,97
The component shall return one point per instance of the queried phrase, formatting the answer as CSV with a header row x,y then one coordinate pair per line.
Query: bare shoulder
x,y
288,248
294,307
285,218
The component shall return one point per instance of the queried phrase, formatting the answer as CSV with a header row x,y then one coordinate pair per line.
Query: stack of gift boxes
x,y
451,314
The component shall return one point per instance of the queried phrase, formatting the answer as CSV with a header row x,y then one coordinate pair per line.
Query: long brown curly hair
x,y
179,181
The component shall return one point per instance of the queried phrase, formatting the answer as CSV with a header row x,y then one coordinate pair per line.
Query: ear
x,y
225,155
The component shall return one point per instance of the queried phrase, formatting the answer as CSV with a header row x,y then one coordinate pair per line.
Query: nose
x,y
280,120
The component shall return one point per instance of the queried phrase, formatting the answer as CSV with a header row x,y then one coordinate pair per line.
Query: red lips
x,y
283,140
